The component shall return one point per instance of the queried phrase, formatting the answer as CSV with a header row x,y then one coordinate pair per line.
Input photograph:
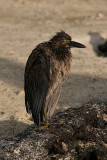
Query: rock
x,y
83,137
100,15
64,147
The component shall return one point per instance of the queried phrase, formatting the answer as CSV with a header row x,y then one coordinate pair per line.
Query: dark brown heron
x,y
46,68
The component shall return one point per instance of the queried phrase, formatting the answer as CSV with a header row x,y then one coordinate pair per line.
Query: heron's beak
x,y
73,44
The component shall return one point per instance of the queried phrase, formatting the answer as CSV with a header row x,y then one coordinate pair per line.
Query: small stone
x,y
100,15
2,113
20,93
64,146
16,151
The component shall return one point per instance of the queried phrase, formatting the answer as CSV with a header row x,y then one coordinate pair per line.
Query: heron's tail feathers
x,y
39,103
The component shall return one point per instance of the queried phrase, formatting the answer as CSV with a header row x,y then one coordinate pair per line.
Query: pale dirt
x,y
24,24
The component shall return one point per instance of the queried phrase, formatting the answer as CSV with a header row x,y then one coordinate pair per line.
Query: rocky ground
x,y
82,137
24,24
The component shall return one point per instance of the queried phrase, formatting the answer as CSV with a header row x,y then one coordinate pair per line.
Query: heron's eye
x,y
65,40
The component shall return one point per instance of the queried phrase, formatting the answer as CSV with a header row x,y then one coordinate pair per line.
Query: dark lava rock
x,y
82,137
103,49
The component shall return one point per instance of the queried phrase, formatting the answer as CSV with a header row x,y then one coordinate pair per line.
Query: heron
x,y
46,69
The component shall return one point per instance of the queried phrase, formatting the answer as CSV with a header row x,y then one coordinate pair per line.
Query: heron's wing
x,y
52,100
36,83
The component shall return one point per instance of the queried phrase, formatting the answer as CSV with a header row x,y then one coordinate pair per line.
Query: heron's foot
x,y
45,126
50,125
56,124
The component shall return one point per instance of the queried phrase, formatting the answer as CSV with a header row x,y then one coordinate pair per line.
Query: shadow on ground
x,y
77,89
10,128
12,72
95,41
80,89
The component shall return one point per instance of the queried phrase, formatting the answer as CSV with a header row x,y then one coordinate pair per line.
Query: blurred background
x,y
24,24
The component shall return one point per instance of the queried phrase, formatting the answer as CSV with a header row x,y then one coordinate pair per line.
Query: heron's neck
x,y
62,53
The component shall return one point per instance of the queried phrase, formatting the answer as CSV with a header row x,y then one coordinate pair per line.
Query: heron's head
x,y
62,39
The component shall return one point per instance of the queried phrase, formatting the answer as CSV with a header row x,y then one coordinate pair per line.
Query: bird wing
x,y
36,83
52,100
56,77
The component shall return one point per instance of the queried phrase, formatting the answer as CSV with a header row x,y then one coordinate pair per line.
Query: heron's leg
x,y
39,123
50,124
47,123
46,119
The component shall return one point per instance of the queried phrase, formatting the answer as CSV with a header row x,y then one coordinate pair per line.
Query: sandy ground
x,y
24,24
